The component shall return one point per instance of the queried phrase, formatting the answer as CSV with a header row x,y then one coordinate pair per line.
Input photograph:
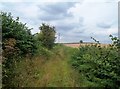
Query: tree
x,y
81,41
47,35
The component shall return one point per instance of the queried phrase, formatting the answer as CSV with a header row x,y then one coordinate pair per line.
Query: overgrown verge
x,y
19,46
37,71
17,43
98,66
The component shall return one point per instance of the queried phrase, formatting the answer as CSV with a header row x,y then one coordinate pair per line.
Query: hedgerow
x,y
99,65
17,42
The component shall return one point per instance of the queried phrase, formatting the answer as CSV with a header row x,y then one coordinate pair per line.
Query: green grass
x,y
57,71
54,71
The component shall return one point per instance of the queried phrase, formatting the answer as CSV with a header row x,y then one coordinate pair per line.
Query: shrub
x,y
17,41
99,65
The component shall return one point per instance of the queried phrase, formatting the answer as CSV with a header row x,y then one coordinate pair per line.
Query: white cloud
x,y
41,1
29,11
93,13
60,1
100,1
82,25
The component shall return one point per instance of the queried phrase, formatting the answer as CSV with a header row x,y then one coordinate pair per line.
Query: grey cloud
x,y
56,11
79,31
51,17
104,25
66,27
72,31
75,38
57,8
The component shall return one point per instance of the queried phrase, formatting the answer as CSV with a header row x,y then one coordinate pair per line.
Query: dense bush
x,y
17,41
99,65
17,31
19,44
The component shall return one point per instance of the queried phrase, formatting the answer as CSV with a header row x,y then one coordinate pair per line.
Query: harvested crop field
x,y
72,45
76,45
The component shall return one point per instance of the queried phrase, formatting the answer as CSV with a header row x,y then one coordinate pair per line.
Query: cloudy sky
x,y
75,20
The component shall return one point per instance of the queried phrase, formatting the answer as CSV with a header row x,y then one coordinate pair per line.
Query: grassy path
x,y
57,72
